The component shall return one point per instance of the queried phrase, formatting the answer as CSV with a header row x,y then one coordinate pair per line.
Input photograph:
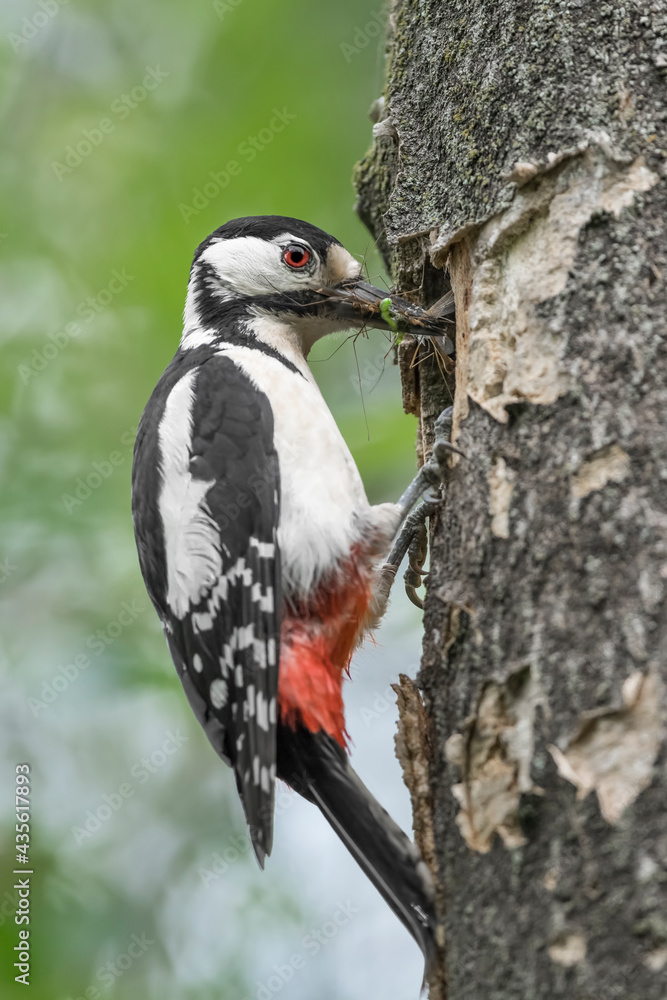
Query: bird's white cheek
x,y
250,266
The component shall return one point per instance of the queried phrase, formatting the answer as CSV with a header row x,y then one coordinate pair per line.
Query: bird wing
x,y
214,511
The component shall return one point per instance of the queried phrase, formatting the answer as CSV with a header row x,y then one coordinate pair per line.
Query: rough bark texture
x,y
529,166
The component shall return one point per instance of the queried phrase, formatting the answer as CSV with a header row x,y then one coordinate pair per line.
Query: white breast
x,y
323,502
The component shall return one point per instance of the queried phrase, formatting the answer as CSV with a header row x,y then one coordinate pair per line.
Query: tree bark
x,y
523,157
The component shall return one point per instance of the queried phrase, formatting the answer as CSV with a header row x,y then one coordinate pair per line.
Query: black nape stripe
x,y
255,344
228,319
234,337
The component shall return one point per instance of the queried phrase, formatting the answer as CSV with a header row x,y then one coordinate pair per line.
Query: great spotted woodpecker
x,y
264,560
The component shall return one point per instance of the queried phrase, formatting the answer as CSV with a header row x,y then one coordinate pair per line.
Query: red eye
x,y
296,256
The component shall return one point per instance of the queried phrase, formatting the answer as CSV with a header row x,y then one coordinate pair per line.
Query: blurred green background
x,y
118,122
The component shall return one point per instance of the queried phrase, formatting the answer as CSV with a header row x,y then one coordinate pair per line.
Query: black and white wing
x,y
206,506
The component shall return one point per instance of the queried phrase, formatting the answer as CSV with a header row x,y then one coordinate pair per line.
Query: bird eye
x,y
296,256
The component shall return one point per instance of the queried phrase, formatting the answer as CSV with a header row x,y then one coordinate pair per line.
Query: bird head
x,y
281,279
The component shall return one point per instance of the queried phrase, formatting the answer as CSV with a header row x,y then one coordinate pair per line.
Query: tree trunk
x,y
523,157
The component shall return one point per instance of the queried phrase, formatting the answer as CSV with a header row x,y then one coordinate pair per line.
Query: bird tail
x,y
317,767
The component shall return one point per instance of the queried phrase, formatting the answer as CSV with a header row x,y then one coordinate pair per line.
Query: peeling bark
x,y
527,165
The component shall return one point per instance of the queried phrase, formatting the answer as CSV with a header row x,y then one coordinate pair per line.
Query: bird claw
x,y
441,448
418,550
443,424
432,500
443,445
414,597
417,553
413,537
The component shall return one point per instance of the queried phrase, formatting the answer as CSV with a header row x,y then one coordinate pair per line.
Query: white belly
x,y
324,508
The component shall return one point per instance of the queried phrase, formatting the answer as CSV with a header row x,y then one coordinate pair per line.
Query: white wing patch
x,y
191,537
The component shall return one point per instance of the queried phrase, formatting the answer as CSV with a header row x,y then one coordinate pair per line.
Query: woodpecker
x,y
259,549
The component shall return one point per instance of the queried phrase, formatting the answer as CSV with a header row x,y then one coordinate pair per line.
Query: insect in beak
x,y
362,304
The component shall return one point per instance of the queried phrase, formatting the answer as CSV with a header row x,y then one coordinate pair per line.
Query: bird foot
x,y
413,536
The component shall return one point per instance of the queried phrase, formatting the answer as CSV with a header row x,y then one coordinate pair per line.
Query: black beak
x,y
361,304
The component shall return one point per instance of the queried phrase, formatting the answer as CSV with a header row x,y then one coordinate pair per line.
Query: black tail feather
x,y
315,766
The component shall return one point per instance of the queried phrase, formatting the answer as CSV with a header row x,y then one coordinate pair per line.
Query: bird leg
x,y
413,539
412,536
435,471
